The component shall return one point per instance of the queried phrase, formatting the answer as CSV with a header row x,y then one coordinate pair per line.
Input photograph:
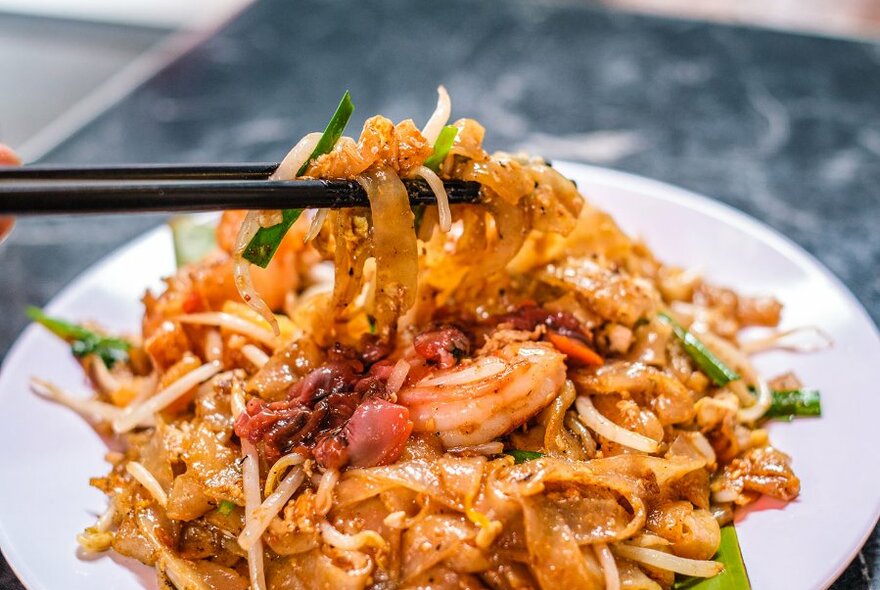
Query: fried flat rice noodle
x,y
342,570
561,505
509,234
352,249
394,247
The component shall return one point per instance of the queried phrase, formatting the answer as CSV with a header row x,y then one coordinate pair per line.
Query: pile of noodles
x,y
639,460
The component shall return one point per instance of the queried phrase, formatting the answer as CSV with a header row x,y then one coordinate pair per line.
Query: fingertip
x,y
6,225
8,157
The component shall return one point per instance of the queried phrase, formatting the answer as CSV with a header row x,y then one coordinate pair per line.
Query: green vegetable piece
x,y
192,241
371,320
711,365
795,403
226,507
520,456
332,132
441,150
441,147
265,242
60,328
83,342
733,577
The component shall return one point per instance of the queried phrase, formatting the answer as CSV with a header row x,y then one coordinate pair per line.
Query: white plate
x,y
48,453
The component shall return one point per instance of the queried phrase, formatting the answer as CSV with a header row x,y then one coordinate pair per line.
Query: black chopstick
x,y
20,197
244,171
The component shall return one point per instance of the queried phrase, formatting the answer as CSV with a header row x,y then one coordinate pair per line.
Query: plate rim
x,y
653,188
17,564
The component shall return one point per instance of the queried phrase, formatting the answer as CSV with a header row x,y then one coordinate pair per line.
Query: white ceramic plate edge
x,y
20,566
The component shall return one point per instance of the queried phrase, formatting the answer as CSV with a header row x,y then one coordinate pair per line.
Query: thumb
x,y
8,157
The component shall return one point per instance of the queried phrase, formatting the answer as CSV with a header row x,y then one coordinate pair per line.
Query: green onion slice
x,y
226,507
265,242
332,132
733,577
711,365
791,403
441,150
83,342
520,456
441,147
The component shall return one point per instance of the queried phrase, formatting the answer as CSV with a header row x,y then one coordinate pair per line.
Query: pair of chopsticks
x,y
39,190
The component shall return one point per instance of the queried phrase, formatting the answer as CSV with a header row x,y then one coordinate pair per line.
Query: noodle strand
x,y
609,566
440,116
251,478
445,214
605,427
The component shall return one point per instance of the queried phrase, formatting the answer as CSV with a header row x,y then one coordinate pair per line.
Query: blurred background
x,y
55,53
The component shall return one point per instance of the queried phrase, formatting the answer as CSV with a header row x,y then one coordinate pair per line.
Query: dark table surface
x,y
785,127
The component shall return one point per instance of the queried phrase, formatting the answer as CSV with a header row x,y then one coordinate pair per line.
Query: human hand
x,y
7,158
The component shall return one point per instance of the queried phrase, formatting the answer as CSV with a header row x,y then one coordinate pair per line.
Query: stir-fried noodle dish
x,y
508,394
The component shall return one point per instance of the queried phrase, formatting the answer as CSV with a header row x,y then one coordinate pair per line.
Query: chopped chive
x,y
441,147
732,577
332,132
791,403
441,150
226,507
83,342
192,241
265,242
520,456
372,322
711,365
60,328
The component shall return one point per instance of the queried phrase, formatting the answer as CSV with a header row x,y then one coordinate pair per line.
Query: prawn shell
x,y
520,380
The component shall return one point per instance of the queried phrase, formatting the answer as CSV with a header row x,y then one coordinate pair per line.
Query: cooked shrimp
x,y
476,402
665,395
